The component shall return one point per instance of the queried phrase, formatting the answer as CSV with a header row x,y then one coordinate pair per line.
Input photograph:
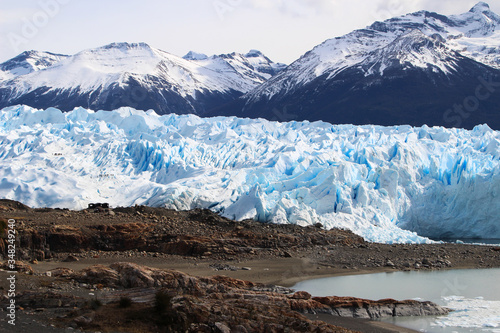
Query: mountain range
x,y
416,69
132,74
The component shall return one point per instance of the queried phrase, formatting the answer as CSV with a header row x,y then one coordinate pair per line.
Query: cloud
x,y
295,8
384,10
298,25
349,11
14,15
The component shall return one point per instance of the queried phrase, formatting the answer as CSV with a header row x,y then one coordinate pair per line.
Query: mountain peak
x,y
125,45
31,54
117,53
254,54
30,61
191,55
480,7
27,54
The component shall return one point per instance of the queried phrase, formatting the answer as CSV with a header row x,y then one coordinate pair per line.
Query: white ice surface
x,y
376,181
476,313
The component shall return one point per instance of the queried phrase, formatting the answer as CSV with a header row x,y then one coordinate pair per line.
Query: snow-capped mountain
x,y
417,69
387,184
137,75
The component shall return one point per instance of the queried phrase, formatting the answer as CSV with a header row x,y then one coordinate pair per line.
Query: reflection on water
x,y
474,293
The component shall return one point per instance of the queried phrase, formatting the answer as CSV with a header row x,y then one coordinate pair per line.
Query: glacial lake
x,y
474,294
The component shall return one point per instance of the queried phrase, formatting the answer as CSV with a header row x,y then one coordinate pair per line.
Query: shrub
x,y
163,301
3,227
125,302
95,304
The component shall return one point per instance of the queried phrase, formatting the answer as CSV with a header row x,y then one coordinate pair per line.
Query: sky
x,y
282,29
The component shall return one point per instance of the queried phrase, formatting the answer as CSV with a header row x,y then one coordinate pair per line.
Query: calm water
x,y
474,294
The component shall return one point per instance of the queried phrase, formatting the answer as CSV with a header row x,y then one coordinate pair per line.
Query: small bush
x,y
125,302
95,304
3,227
168,318
163,301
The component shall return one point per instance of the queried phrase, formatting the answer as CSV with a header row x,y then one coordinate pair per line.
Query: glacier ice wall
x,y
387,184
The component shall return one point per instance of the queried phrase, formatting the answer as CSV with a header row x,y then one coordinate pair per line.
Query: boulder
x,y
61,272
70,258
98,274
135,276
21,267
301,295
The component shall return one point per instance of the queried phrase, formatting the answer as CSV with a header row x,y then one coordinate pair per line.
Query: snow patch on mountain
x,y
384,183
413,49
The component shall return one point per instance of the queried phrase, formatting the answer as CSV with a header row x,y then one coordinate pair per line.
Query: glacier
x,y
396,184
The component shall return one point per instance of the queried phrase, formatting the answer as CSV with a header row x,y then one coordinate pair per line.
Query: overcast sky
x,y
281,29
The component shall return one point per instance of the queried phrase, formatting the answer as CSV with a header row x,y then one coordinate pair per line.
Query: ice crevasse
x,y
388,184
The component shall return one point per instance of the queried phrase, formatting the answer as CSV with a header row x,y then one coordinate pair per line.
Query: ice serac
x,y
387,184
413,69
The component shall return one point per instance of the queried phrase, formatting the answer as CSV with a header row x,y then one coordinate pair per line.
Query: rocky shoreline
x,y
197,303
203,263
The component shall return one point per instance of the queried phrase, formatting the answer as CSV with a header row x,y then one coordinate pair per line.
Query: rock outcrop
x,y
196,304
362,308
196,233
128,275
58,234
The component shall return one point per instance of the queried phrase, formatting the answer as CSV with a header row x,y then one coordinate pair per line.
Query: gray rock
x,y
376,312
222,328
85,319
71,258
390,309
240,329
